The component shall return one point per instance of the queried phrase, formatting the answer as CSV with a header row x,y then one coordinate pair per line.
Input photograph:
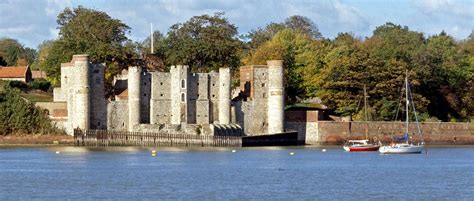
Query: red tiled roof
x,y
13,72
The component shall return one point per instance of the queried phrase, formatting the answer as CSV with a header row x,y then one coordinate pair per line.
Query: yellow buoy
x,y
233,151
153,154
324,150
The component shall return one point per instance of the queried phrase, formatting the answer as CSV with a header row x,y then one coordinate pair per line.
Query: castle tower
x,y
224,95
179,95
134,74
81,88
275,112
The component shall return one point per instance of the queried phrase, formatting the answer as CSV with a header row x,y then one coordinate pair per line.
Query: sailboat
x,y
405,147
362,145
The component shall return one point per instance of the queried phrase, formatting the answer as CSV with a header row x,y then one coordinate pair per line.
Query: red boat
x,y
360,145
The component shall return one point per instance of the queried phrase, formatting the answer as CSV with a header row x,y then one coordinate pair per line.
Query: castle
x,y
178,101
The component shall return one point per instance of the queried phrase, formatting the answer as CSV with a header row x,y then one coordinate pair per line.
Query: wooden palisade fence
x,y
123,138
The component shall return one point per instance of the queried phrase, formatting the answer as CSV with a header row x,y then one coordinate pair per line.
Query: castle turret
x,y
179,79
224,95
133,96
81,106
275,113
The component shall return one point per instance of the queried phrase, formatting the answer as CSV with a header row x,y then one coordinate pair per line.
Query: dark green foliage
x,y
18,85
204,43
17,115
40,84
13,53
87,31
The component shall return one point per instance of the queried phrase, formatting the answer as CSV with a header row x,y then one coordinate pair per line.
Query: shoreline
x,y
36,140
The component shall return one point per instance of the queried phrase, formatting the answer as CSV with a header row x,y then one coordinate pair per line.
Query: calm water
x,y
219,174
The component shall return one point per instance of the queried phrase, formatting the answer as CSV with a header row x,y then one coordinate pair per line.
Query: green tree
x,y
13,53
391,51
204,43
87,31
341,81
17,115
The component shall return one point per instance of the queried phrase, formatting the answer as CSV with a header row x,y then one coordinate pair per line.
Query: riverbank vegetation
x,y
18,115
441,68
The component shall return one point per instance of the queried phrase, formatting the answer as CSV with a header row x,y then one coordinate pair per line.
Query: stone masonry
x,y
178,101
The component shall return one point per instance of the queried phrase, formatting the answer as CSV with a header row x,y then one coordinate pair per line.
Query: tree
x,y
87,31
391,49
20,116
204,43
303,25
344,75
301,57
296,23
13,53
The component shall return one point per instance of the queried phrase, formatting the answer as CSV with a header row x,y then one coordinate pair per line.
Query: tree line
x,y
441,68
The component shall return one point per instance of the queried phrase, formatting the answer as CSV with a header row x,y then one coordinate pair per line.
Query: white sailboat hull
x,y
402,149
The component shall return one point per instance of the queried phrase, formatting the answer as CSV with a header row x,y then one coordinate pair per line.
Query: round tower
x,y
224,95
81,114
276,100
134,74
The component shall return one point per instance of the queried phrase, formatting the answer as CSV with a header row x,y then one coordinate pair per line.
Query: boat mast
x,y
365,114
407,103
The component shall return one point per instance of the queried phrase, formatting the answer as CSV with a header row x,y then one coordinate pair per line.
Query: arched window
x,y
183,83
183,97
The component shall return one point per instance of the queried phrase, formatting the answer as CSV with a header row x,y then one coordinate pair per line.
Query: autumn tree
x,y
297,23
301,57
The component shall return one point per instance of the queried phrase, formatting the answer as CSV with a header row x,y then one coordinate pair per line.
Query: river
x,y
129,173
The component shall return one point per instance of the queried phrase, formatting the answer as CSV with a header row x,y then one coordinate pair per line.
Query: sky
x,y
33,21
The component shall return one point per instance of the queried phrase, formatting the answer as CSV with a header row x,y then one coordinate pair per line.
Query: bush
x,y
40,84
19,85
18,115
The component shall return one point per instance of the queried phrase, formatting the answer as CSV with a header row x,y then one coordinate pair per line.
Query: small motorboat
x,y
360,145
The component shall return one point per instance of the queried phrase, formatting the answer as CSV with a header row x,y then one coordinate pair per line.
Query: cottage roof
x,y
13,71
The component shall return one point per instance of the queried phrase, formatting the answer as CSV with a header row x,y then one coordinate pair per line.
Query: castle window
x,y
98,123
183,97
96,71
263,84
213,84
144,83
161,94
198,83
123,124
213,95
161,83
183,84
198,95
144,95
263,74
263,95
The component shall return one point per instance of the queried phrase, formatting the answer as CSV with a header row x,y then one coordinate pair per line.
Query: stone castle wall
x,y
150,100
328,132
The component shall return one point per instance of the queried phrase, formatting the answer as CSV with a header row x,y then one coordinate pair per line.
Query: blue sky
x,y
33,21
